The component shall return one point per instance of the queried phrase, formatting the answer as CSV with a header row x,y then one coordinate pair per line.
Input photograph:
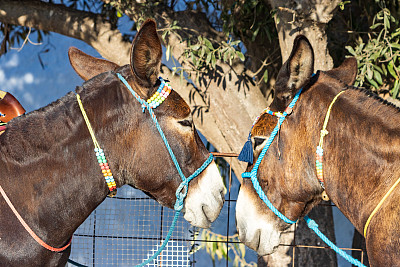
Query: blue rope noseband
x,y
182,190
253,176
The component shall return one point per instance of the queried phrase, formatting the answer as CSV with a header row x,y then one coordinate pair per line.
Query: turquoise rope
x,y
182,190
314,226
253,173
310,223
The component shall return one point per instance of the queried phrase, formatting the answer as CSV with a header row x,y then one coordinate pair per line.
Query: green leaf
x,y
386,21
195,62
369,72
240,55
395,91
213,60
195,47
224,251
391,69
395,45
376,25
265,76
255,33
377,77
203,50
373,83
378,68
226,55
208,44
351,50
164,34
384,70
208,59
374,56
396,33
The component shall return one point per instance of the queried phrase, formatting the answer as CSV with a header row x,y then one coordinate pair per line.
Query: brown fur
x,y
361,156
49,171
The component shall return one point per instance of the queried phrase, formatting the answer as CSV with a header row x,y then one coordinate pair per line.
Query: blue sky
x,y
34,86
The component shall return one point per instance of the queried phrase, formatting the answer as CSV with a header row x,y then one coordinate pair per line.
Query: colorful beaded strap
x,y
160,95
101,158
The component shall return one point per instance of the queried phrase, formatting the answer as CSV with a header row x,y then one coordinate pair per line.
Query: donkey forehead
x,y
264,125
175,106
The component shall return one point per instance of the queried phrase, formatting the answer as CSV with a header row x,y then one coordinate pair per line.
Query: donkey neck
x,y
47,163
361,151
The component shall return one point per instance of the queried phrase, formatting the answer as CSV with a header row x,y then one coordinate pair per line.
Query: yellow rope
x,y
379,205
96,144
328,113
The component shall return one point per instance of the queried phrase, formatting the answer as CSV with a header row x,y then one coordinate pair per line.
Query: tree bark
x,y
309,18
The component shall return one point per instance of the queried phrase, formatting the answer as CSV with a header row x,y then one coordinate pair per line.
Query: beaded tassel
x,y
319,160
160,95
105,169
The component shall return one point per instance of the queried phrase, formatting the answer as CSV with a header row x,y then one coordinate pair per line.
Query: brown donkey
x,y
360,166
50,173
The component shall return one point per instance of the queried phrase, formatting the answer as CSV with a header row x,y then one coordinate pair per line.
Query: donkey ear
x,y
146,54
295,73
87,66
347,72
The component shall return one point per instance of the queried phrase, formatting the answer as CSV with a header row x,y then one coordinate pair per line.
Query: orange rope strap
x,y
28,229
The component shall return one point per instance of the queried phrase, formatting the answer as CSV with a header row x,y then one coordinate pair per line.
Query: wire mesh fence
x,y
129,228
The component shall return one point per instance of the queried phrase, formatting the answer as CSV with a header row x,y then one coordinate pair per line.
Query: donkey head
x,y
141,158
287,172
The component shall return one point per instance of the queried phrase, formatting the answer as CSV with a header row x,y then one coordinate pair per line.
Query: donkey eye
x,y
186,123
258,141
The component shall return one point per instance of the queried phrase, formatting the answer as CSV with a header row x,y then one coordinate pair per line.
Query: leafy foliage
x,y
378,57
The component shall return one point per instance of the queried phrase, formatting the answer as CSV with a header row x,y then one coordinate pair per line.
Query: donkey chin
x,y
256,229
205,198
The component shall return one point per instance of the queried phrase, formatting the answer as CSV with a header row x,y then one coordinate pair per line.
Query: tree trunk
x,y
309,18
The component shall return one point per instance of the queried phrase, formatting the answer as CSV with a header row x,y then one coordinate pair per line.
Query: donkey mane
x,y
375,97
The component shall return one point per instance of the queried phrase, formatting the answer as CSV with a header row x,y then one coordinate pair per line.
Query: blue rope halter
x,y
253,176
182,190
